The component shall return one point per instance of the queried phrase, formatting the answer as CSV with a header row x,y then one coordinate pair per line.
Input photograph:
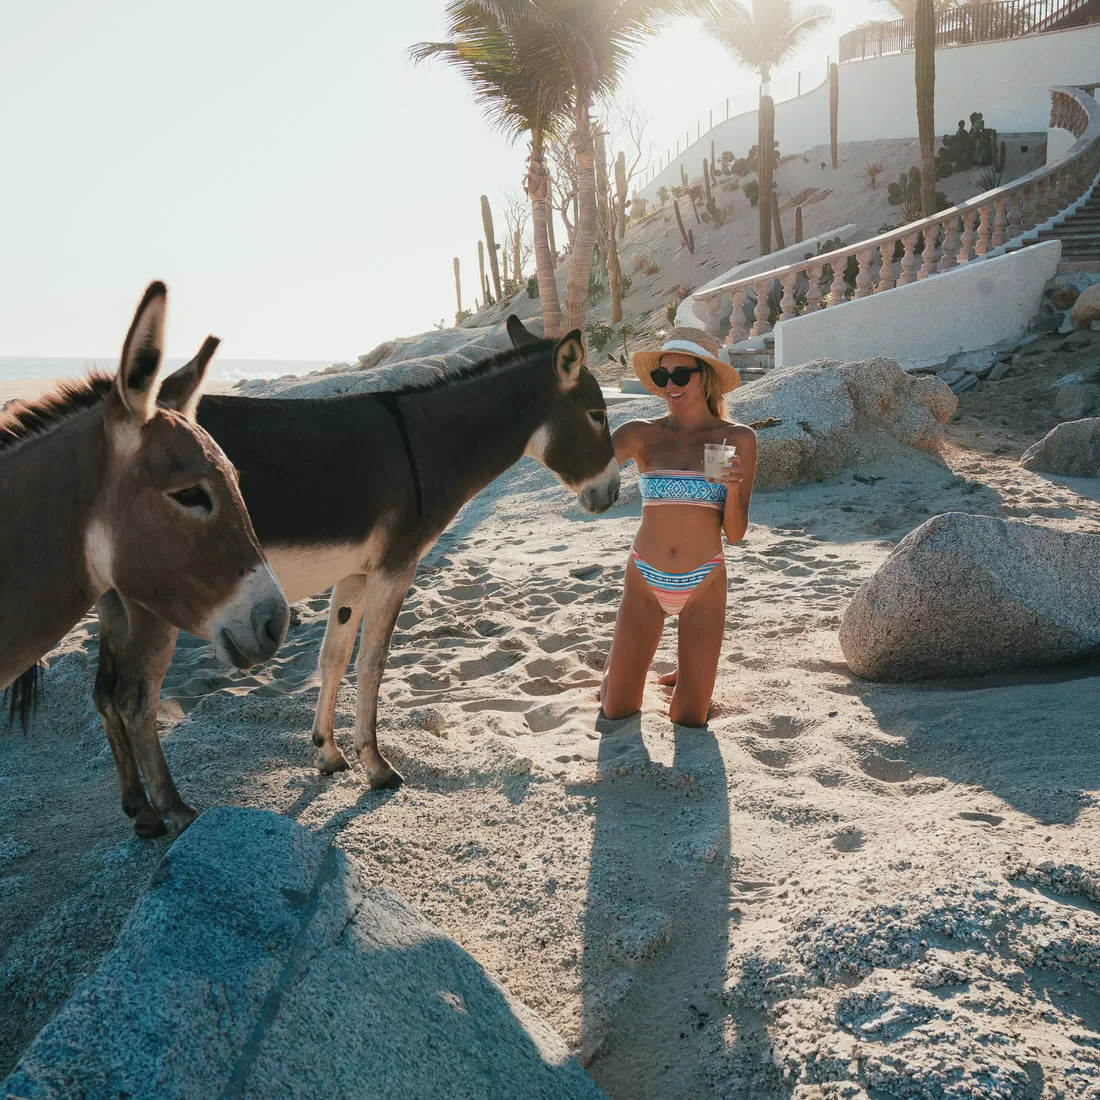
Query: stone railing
x,y
972,230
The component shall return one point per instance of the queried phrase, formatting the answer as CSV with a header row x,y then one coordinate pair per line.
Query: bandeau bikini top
x,y
681,487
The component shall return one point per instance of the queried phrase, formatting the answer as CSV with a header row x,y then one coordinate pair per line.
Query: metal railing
x,y
917,250
980,22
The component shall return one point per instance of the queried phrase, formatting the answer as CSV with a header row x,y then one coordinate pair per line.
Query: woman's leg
x,y
701,629
638,629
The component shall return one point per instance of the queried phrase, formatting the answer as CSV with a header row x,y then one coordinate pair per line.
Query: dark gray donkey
x,y
352,491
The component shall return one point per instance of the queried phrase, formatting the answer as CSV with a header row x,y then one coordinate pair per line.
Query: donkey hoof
x,y
331,765
150,826
389,780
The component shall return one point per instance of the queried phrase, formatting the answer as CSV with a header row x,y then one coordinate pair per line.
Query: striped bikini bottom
x,y
673,590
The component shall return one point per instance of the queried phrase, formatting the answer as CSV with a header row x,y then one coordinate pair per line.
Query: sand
x,y
837,889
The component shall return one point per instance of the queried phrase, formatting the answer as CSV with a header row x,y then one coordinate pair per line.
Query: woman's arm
x,y
625,441
740,475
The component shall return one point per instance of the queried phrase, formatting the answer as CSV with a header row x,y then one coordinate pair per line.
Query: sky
x,y
297,182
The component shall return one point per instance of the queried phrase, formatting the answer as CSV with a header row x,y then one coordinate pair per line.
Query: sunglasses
x,y
679,375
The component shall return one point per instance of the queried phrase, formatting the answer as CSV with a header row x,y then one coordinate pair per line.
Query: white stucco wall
x,y
1009,82
1059,142
970,307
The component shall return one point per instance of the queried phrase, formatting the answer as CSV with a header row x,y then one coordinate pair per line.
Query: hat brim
x,y
647,361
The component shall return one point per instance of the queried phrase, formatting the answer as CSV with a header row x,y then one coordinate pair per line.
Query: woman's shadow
x,y
657,915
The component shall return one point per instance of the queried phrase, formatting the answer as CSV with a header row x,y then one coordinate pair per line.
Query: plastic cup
x,y
715,456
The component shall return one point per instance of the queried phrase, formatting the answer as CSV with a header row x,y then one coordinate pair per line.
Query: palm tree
x,y
762,34
907,9
519,98
593,40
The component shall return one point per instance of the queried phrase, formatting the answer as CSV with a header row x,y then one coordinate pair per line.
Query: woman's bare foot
x,y
669,678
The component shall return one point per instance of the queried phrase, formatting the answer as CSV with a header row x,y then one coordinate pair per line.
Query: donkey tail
x,y
23,695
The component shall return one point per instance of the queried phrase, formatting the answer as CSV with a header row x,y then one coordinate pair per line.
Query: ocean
x,y
223,370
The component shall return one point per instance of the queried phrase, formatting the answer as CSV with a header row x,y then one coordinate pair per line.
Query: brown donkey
x,y
106,496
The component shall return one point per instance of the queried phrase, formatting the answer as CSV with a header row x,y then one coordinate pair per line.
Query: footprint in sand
x,y
552,643
506,706
982,819
782,726
491,663
546,666
773,758
543,685
886,771
549,717
426,681
849,839
585,572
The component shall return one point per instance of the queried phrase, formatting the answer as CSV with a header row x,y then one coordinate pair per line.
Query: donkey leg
x,y
141,668
385,594
344,613
113,628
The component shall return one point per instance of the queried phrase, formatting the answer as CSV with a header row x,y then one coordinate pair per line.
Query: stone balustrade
x,y
972,230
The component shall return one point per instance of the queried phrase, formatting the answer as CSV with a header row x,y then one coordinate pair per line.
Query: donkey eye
x,y
195,497
599,417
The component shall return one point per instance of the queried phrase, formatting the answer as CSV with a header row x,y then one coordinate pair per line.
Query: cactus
x,y
685,234
458,287
765,170
834,106
504,266
683,178
713,164
777,221
491,243
752,192
799,236
516,274
481,272
907,190
1003,153
925,72
716,215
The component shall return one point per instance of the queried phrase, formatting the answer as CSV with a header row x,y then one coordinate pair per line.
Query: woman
x,y
676,565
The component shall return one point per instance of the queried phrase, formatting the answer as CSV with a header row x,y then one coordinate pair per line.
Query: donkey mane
x,y
24,420
501,361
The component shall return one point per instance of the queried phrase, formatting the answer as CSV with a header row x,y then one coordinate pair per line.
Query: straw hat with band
x,y
696,342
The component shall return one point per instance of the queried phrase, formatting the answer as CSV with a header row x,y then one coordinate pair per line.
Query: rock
x,y
832,414
1045,322
999,371
1064,292
952,375
1070,450
258,964
1073,402
1074,378
373,358
966,595
967,382
1086,309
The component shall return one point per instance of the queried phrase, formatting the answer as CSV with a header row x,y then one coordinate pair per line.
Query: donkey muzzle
x,y
602,491
253,626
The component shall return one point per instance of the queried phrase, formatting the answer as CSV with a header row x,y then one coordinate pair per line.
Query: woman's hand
x,y
732,472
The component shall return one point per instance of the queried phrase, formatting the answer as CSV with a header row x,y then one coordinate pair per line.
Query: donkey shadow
x,y
657,915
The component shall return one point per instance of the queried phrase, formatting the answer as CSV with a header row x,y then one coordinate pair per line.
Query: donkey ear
x,y
180,390
141,355
569,358
519,336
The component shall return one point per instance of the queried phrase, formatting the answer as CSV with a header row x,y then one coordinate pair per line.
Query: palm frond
x,y
767,33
